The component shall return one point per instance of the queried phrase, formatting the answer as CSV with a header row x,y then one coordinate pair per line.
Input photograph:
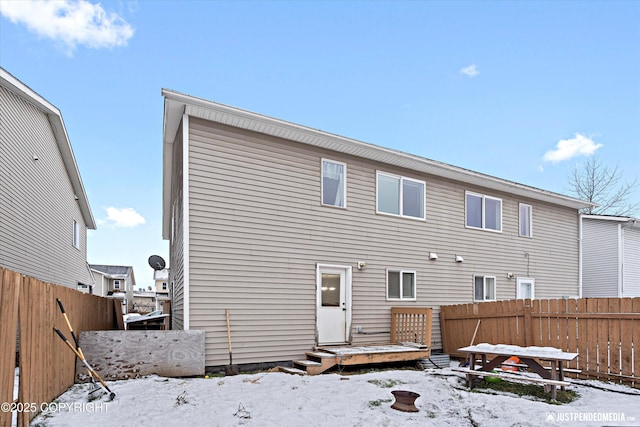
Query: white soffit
x,y
177,103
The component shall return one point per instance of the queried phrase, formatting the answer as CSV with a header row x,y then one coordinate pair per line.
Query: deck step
x,y
306,363
320,355
294,371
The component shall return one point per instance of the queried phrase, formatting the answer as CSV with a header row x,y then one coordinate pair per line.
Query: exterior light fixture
x,y
433,256
459,258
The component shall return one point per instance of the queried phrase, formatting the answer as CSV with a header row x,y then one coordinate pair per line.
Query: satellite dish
x,y
156,262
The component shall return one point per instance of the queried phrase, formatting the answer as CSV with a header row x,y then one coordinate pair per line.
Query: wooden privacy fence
x,y
47,366
411,325
605,332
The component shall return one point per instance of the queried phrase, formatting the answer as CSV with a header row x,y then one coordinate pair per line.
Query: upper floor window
x,y
397,195
116,284
164,286
334,183
401,285
525,220
483,212
484,288
76,234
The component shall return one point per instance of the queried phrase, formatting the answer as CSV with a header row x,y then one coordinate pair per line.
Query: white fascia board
x,y
609,218
177,104
62,139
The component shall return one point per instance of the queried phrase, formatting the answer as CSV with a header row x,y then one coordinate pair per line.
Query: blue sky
x,y
524,91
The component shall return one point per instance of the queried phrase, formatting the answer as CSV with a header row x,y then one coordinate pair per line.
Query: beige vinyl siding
x,y
37,201
631,264
176,272
257,231
600,258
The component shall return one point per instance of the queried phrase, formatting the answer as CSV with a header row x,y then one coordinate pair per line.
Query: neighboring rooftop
x,y
161,274
116,271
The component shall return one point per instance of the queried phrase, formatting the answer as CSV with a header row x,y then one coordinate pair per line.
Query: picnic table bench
x,y
491,357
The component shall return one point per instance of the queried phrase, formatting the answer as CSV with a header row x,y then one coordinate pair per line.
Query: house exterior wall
x,y
600,258
631,263
37,201
257,230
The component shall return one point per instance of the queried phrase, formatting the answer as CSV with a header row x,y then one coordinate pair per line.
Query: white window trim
x,y
116,284
344,184
76,234
401,271
520,205
525,279
484,288
483,228
403,178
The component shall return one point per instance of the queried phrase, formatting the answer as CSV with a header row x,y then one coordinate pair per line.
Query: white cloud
x,y
125,217
541,168
569,148
470,71
70,22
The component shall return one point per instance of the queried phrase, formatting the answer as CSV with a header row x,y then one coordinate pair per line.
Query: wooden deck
x,y
410,336
346,356
325,358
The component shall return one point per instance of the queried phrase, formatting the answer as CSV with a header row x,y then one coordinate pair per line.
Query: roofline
x,y
60,134
176,104
632,222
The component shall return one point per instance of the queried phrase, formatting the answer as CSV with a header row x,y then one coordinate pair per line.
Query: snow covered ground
x,y
279,399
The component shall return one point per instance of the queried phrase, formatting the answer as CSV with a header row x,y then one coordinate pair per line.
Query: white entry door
x,y
333,303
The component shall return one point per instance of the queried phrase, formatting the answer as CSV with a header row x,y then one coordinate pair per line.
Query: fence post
x,y
528,323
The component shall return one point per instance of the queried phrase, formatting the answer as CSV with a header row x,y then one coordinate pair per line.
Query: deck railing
x,y
411,324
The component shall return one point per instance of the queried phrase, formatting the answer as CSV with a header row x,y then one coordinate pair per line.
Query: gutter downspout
x,y
620,260
580,256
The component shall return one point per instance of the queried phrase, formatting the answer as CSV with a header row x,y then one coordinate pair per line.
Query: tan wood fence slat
x,y
614,337
603,339
626,337
572,331
9,296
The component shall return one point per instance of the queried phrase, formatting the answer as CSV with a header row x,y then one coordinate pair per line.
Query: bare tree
x,y
595,182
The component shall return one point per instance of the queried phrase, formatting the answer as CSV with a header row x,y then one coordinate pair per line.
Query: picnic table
x,y
491,357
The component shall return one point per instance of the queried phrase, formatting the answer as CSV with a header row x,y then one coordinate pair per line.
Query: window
x,y
164,286
525,220
483,212
116,284
334,183
401,285
76,234
525,288
400,196
484,288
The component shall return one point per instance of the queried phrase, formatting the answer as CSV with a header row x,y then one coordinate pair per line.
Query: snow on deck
x,y
371,349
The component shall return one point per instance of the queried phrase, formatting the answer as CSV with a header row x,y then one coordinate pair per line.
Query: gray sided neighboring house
x,y
44,210
310,238
610,256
